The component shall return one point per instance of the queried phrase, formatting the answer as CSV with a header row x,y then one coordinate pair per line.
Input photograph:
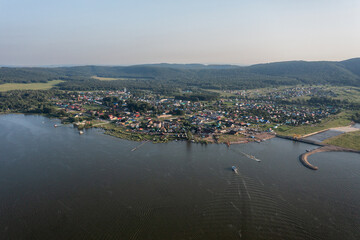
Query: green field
x,y
28,86
224,94
340,120
346,140
352,94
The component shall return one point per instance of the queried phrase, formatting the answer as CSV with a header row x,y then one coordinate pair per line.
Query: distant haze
x,y
124,32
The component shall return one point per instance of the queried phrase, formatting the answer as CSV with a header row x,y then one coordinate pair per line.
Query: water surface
x,y
57,184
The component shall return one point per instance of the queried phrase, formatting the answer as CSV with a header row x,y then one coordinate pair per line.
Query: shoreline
x,y
145,137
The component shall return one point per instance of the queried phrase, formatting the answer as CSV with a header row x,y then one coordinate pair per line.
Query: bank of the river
x,y
128,134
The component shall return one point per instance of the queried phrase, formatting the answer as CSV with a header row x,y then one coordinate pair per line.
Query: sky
x,y
127,32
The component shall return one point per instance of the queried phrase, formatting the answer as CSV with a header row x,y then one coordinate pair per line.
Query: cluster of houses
x,y
171,116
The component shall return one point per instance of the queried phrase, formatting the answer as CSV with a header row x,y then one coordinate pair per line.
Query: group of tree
x,y
198,96
139,106
29,101
327,101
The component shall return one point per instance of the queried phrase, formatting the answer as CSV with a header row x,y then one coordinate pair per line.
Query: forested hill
x,y
192,75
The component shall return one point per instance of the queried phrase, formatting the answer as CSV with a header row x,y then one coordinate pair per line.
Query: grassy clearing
x,y
346,140
340,120
112,79
28,86
105,79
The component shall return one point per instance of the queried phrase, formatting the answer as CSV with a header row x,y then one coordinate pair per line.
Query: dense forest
x,y
168,78
29,101
198,96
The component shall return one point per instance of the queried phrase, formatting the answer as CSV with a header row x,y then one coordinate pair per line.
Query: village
x,y
161,119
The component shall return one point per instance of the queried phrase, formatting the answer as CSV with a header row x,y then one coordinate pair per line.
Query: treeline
x,y
326,101
356,117
170,87
322,102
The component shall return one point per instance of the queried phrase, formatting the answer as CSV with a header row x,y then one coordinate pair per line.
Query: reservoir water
x,y
57,184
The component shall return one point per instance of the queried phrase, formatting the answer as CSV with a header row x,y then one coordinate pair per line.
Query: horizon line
x,y
158,63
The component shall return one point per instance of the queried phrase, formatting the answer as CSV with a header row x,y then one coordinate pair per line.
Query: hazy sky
x,y
124,32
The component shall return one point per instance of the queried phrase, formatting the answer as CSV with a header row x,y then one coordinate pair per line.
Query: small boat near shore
x,y
81,132
235,169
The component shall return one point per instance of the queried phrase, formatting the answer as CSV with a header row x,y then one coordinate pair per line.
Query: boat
x,y
55,125
235,169
81,132
308,150
254,158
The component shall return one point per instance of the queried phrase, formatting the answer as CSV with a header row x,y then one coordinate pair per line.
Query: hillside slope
x,y
194,75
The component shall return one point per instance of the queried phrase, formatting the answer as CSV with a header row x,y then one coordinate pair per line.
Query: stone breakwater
x,y
328,148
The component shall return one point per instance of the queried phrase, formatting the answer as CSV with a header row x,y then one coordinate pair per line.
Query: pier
x,y
327,148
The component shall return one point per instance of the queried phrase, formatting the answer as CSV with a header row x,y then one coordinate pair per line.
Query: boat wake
x,y
252,157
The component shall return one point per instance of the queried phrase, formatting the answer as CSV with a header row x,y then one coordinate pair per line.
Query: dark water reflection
x,y
57,184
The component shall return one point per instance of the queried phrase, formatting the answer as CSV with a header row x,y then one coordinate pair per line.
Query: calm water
x,y
57,184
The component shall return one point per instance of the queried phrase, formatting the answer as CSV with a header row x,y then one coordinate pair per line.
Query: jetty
x,y
327,148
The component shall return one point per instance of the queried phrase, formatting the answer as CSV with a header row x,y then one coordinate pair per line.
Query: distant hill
x,y
352,65
168,76
311,72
